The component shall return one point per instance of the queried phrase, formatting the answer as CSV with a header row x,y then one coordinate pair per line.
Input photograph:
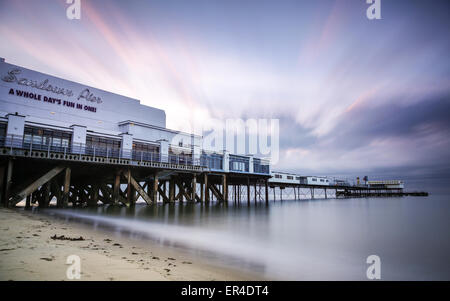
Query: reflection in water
x,y
295,240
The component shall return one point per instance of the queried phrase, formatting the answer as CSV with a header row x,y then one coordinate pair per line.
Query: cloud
x,y
386,137
350,94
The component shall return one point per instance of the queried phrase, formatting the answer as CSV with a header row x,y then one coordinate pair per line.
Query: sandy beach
x,y
28,252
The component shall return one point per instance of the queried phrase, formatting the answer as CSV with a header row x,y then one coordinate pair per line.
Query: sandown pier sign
x,y
44,85
13,76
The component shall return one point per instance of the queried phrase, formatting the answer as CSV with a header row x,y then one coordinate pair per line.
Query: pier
x,y
81,178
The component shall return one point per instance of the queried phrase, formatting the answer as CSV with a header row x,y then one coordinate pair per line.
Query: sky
x,y
353,96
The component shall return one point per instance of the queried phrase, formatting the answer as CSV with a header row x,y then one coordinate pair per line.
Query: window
x,y
2,129
290,177
238,163
213,161
145,152
102,143
278,176
314,179
44,137
144,147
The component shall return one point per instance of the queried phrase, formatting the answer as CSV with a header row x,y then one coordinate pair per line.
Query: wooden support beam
x,y
2,185
183,192
84,194
194,188
138,188
248,190
55,190
162,193
171,190
155,188
206,187
202,193
128,177
36,184
93,195
107,193
46,197
28,202
116,189
225,188
65,195
266,183
216,192
8,183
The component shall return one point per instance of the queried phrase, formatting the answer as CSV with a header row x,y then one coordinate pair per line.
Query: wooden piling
x,y
155,187
225,188
248,190
194,187
8,182
171,190
116,189
206,188
65,196
266,184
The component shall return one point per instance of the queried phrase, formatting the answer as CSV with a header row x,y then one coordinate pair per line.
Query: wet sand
x,y
28,252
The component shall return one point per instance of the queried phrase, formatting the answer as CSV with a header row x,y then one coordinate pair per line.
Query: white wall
x,y
110,108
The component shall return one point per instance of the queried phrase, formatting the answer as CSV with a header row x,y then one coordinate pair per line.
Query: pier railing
x,y
14,142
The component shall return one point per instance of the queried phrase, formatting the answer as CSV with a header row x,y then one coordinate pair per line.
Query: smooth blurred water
x,y
298,240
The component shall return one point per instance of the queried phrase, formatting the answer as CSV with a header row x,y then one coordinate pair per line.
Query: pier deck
x,y
80,179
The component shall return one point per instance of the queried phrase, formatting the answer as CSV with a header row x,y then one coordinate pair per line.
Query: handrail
x,y
79,149
18,142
